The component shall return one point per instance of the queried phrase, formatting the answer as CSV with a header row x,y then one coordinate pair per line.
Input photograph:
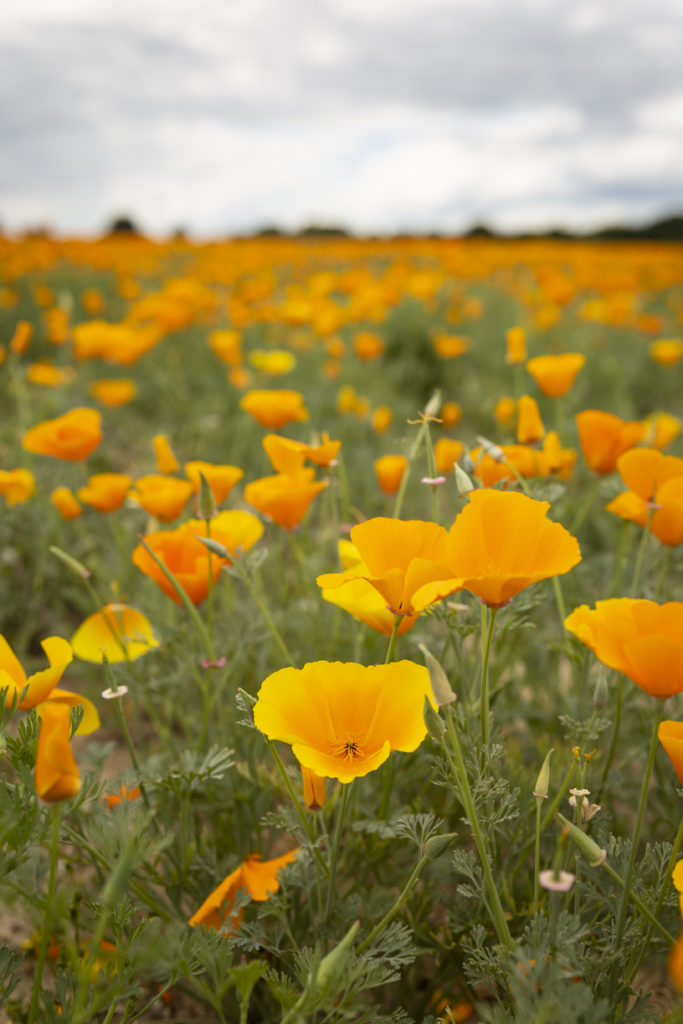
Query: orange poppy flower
x,y
288,456
400,558
449,346
273,362
515,339
73,436
188,559
670,735
284,497
446,453
502,542
510,460
451,414
117,632
221,479
529,423
556,374
64,500
389,470
675,963
56,773
342,719
227,345
315,789
381,419
17,485
21,338
162,496
666,351
113,392
163,453
47,375
105,492
359,597
661,428
112,800
41,687
505,411
604,437
258,877
274,409
640,638
368,346
655,494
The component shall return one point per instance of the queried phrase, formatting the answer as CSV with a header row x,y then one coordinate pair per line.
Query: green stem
x,y
547,818
559,599
455,758
486,637
47,917
264,612
537,855
394,909
392,641
640,557
613,741
334,851
638,903
185,600
585,508
664,885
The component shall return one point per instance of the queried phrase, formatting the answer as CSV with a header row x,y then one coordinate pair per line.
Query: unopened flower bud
x,y
441,688
489,448
462,480
434,404
543,781
600,691
214,546
433,722
77,568
467,463
436,845
587,846
330,965
206,503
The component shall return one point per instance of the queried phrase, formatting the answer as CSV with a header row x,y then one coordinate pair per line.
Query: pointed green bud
x,y
331,964
436,845
462,480
433,722
489,448
433,406
77,568
441,688
214,547
467,464
206,503
588,848
600,691
543,781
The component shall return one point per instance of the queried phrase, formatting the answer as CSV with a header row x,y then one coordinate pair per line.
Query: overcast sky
x,y
226,115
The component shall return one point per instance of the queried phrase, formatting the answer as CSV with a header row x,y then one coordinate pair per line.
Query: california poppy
x,y
667,351
359,597
113,392
221,479
556,374
274,409
343,719
166,460
515,338
162,496
117,632
505,411
389,470
288,456
73,436
368,346
640,638
17,485
655,494
258,877
529,423
64,500
47,375
105,492
604,437
446,453
284,497
451,414
56,773
670,735
449,346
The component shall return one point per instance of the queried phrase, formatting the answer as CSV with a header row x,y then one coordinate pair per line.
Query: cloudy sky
x,y
222,116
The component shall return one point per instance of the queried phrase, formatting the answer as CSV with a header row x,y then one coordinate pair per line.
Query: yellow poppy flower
x,y
258,877
56,773
117,632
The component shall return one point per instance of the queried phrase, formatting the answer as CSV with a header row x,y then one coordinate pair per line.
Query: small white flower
x,y
560,881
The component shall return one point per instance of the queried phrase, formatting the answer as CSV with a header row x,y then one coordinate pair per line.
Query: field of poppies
x,y
341,631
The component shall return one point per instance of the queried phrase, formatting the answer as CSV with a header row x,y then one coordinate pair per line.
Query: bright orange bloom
x,y
389,470
604,437
227,345
162,496
675,963
446,453
342,719
368,346
17,485
284,497
188,559
502,542
47,375
288,456
221,479
64,500
21,337
522,460
451,414
105,492
41,687
381,419
359,597
258,877
56,773
57,325
73,436
661,428
640,638
274,409
163,453
315,789
515,338
529,423
93,301
112,800
117,632
113,392
655,494
556,374
670,735
666,351
400,558
449,346
505,411
239,377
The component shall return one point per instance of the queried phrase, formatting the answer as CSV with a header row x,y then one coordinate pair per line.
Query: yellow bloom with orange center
x,y
450,346
284,497
501,543
342,719
389,470
40,688
221,479
73,436
515,339
447,451
117,632
556,374
47,375
359,597
368,346
163,453
162,496
274,409
604,437
64,500
399,558
113,392
259,878
17,485
56,774
529,423
670,735
640,638
667,351
105,492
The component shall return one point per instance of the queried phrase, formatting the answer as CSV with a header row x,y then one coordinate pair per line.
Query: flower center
x,y
349,749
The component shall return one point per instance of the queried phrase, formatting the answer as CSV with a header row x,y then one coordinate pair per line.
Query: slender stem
x,y
209,602
243,575
640,906
585,508
334,851
640,556
486,637
455,758
613,741
642,801
392,641
394,909
537,854
559,599
47,917
547,818
664,885
185,600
